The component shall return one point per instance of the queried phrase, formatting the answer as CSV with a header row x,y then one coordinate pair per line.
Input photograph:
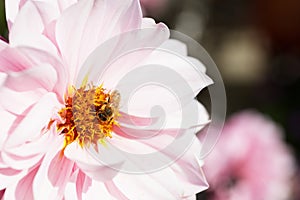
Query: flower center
x,y
88,116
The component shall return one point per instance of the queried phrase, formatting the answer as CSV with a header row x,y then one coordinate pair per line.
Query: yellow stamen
x,y
88,116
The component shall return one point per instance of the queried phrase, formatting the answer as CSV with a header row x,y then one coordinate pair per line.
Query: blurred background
x,y
256,45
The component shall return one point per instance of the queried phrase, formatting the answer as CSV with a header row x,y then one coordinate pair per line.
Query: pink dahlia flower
x,y
70,130
250,161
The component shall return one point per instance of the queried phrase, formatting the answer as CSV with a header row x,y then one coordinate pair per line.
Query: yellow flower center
x,y
88,116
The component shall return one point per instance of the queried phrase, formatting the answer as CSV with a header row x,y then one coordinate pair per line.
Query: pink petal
x,y
120,55
12,59
135,120
143,72
6,122
148,23
191,116
148,187
65,167
48,10
89,165
64,4
191,72
183,179
19,102
181,49
11,9
83,183
162,150
97,189
23,188
132,133
49,32
43,76
191,175
37,57
9,176
19,162
3,77
115,191
188,169
30,127
175,46
53,173
29,22
97,22
28,154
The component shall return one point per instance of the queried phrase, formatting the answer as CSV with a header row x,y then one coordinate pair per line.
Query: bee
x,y
109,109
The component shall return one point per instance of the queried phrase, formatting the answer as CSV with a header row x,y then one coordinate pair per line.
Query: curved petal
x,y
64,4
120,55
83,183
89,165
7,120
11,10
115,191
145,79
173,54
78,35
23,188
37,57
30,69
145,187
181,49
96,189
48,8
176,46
10,176
29,22
12,59
38,77
30,127
136,154
28,154
182,179
53,174
125,118
18,103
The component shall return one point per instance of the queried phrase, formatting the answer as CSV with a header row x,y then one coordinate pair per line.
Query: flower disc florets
x,y
89,115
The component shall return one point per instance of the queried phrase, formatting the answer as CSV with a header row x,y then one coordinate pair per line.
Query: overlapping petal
x,y
78,35
38,66
30,23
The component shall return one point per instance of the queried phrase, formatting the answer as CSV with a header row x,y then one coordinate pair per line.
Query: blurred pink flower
x,y
250,161
48,43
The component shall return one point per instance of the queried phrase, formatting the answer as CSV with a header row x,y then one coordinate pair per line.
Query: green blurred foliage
x,y
3,25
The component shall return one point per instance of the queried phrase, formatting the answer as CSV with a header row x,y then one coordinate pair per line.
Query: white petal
x,y
29,23
36,119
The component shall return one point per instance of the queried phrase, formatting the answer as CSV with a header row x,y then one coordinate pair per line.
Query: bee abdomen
x,y
102,116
